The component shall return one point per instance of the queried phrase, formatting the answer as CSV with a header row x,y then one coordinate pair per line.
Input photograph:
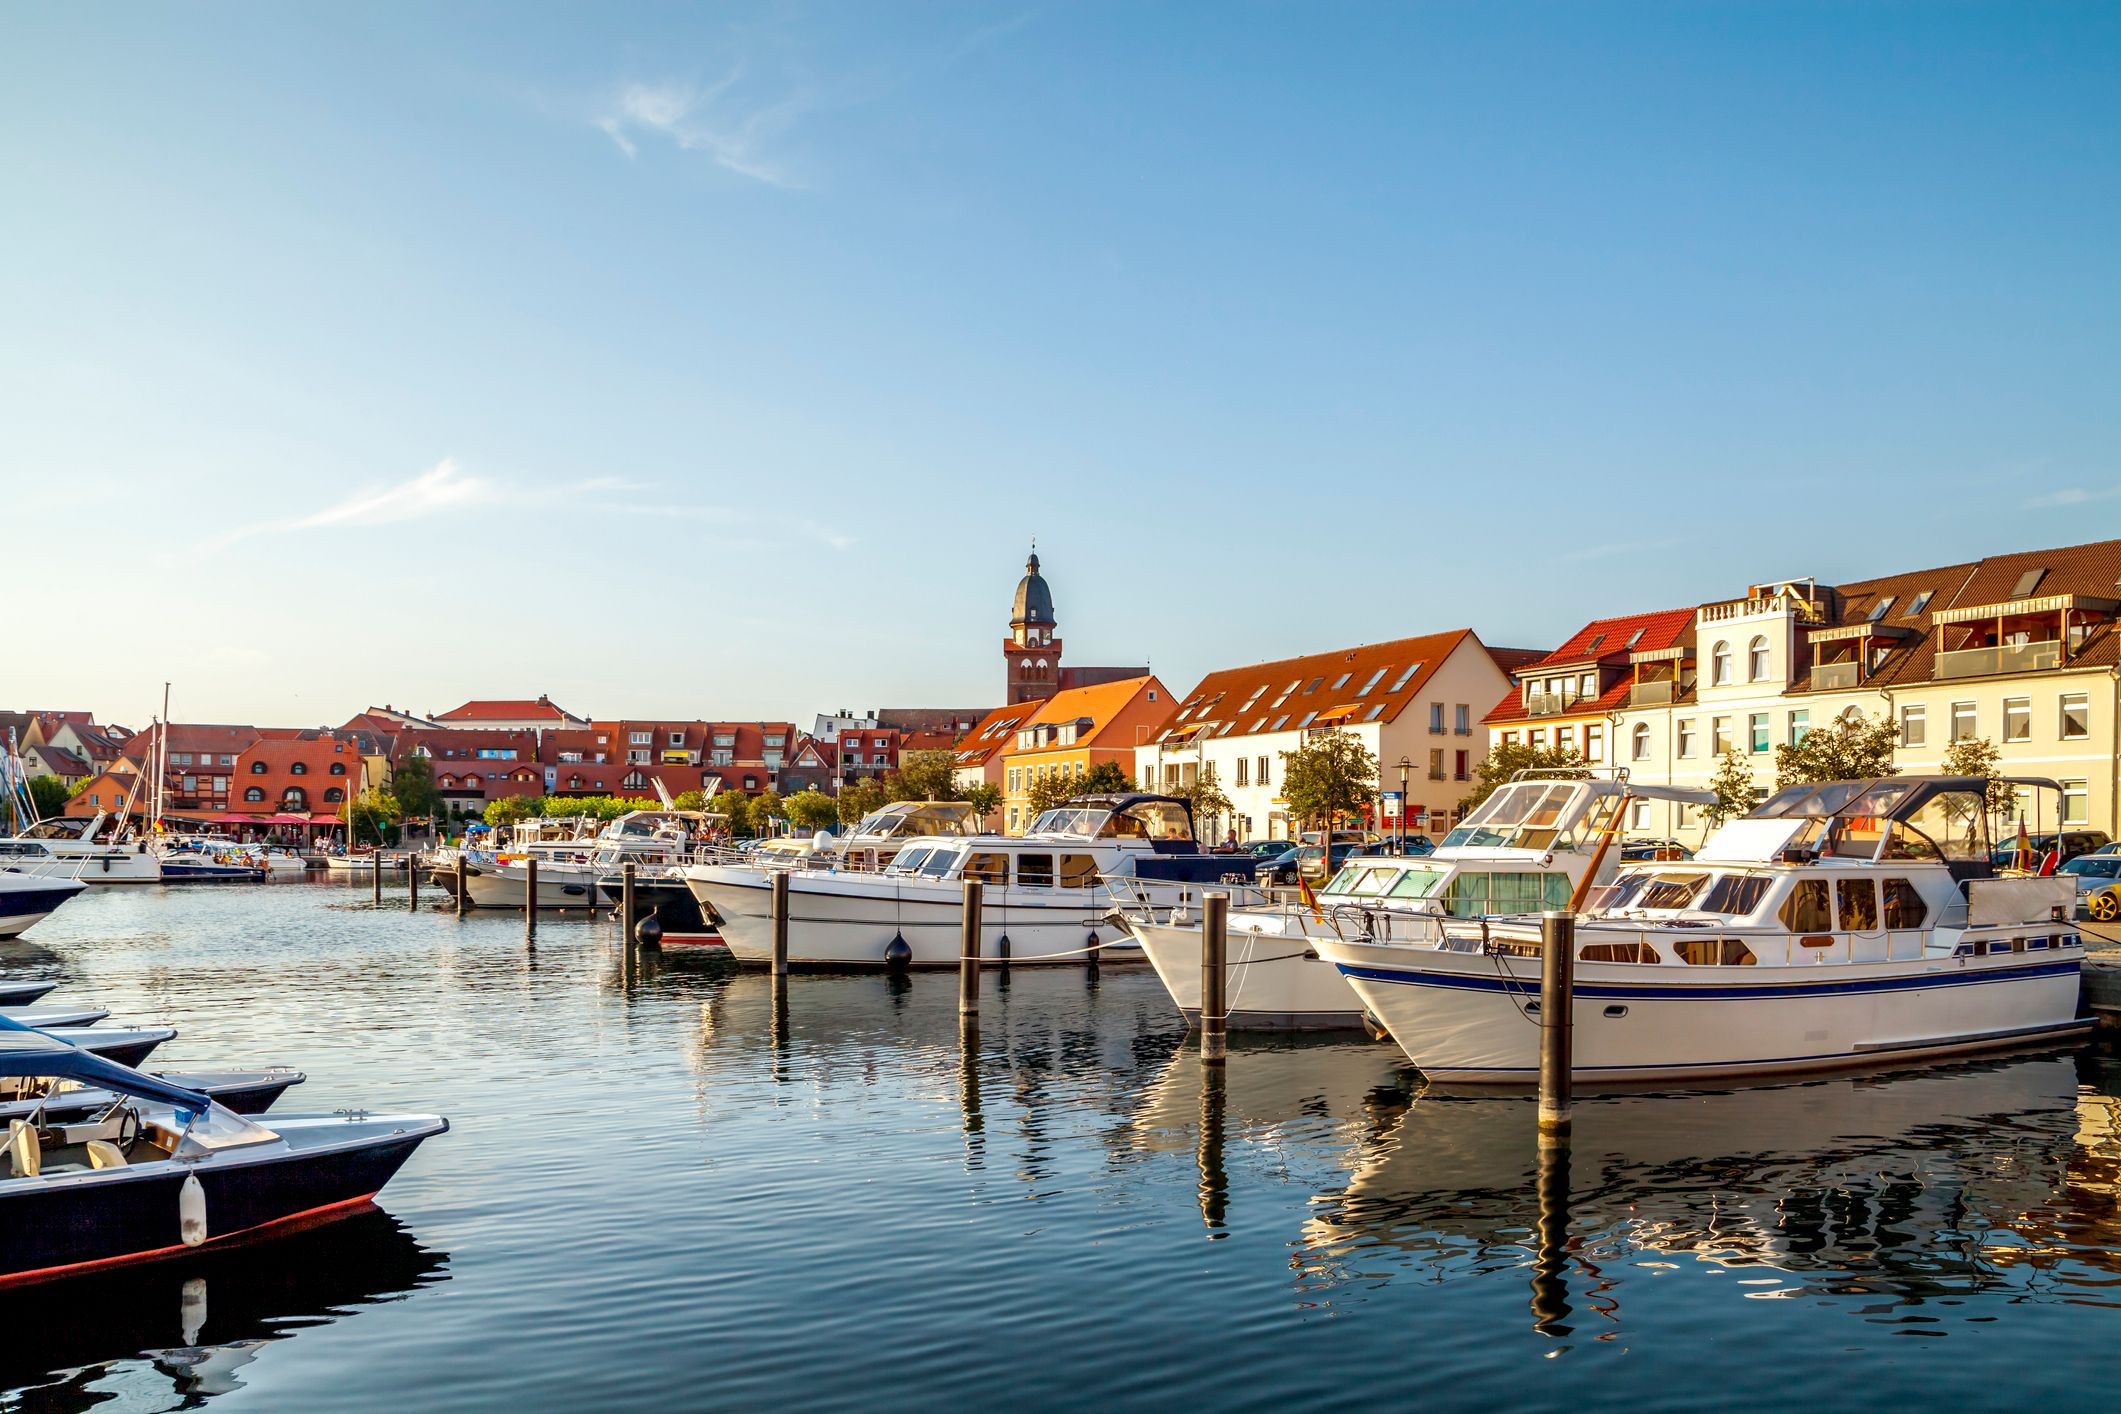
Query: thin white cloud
x,y
437,491
697,119
2073,496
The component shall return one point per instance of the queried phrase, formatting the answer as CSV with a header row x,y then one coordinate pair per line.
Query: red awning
x,y
234,819
284,820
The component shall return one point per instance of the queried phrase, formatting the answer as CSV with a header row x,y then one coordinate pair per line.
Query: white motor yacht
x,y
1840,924
78,849
1048,894
568,870
1525,848
882,833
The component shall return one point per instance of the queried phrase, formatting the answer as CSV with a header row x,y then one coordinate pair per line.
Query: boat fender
x,y
898,953
191,1211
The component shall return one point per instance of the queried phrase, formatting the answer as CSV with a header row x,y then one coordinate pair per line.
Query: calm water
x,y
657,1195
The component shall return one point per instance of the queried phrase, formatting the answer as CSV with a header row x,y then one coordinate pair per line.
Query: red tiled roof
x,y
993,733
1605,643
1374,679
503,710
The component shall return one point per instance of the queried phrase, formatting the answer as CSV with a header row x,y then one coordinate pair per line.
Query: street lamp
x,y
1406,768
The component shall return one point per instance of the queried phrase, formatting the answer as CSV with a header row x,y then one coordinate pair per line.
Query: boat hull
x,y
847,921
246,1092
57,1227
1276,981
93,864
23,993
1462,1018
491,888
26,903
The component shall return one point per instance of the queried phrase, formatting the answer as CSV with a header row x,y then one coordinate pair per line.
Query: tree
x,y
372,811
48,794
413,783
1105,778
1732,786
811,810
1331,775
984,798
924,775
1854,748
765,808
1505,761
690,800
1978,756
511,810
1205,795
860,799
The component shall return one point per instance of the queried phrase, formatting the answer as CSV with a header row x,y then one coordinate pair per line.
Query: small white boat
x,y
363,863
74,849
28,899
1845,924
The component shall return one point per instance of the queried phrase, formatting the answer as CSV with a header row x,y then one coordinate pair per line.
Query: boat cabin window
x,y
1738,895
1653,889
1859,904
988,868
21,849
909,861
1904,907
1714,952
1034,871
1855,836
938,865
1078,871
1617,952
1527,814
1150,819
1362,881
1807,909
1067,820
1418,882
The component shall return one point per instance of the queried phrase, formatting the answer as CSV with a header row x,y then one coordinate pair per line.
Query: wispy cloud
x,y
2074,496
706,119
1613,550
442,488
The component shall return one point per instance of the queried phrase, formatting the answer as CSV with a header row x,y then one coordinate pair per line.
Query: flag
x,y
2022,856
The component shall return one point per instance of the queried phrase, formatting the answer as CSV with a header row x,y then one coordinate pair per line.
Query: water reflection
x,y
197,1324
1901,1190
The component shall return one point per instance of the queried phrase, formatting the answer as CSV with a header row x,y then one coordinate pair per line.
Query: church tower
x,y
1032,652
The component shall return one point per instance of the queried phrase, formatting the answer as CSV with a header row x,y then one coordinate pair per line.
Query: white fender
x,y
191,1211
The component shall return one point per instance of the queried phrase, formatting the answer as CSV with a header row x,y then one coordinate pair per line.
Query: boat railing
x,y
1659,945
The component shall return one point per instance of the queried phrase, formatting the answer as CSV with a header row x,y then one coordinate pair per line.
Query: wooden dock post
x,y
375,878
412,883
780,923
626,903
530,898
1214,976
968,950
1557,999
463,884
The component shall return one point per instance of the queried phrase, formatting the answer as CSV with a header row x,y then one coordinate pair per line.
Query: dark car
x,y
1316,868
1411,847
1265,849
1636,851
2074,843
1278,868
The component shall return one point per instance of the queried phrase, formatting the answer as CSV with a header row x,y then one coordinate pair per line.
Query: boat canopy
x,y
1944,818
1549,812
906,819
1164,821
27,1052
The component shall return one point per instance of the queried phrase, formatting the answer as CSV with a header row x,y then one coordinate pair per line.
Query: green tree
x,y
1331,775
1205,795
690,800
512,810
1978,756
984,798
765,808
1732,786
1852,749
412,781
48,794
811,810
373,811
924,775
859,799
1505,761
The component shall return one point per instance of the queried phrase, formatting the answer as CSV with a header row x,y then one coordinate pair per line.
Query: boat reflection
x,y
1995,1175
75,1344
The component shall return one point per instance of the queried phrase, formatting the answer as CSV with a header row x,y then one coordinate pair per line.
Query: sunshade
x,y
27,1052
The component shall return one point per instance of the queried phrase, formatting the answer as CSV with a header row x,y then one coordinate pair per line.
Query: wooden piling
x,y
968,951
1557,998
375,877
1214,976
530,898
412,883
626,903
780,923
463,884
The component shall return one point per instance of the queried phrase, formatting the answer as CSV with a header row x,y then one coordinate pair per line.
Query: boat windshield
x,y
1363,880
909,861
1069,820
905,818
1419,882
940,862
1662,888
57,830
1524,815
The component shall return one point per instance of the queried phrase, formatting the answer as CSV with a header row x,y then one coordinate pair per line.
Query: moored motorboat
x,y
23,993
28,899
43,1018
244,1091
661,891
126,1045
1844,924
78,849
1526,847
166,1171
1049,893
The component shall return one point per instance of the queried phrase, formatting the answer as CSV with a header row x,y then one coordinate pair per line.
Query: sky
x,y
724,360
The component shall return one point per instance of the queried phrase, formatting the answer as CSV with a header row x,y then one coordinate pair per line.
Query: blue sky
x,y
723,360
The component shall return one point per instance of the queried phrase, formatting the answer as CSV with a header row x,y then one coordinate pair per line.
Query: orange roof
x,y
1377,681
504,710
1098,704
1607,643
993,732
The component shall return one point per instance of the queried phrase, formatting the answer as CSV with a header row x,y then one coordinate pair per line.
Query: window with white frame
x,y
2017,719
1800,726
1719,735
643,738
1244,770
1720,664
1639,742
1463,720
1265,777
1756,727
2076,723
1639,815
2076,802
1436,717
1756,659
1593,744
1686,736
1962,721
1914,724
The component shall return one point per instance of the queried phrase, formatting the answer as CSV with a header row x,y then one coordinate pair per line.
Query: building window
x,y
1244,770
257,768
1593,744
1264,778
254,794
1435,763
1756,660
1962,721
1436,718
333,795
2017,719
338,768
1914,725
1509,738
1565,739
2076,803
1639,815
298,768
1719,735
641,738
1459,767
677,738
1639,742
1720,664
1686,736
1757,733
1800,726
2076,716
1537,738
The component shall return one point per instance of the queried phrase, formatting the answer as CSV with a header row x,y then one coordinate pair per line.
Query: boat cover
x,y
27,1052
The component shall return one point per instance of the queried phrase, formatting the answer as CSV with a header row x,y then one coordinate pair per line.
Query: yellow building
x,y
1075,731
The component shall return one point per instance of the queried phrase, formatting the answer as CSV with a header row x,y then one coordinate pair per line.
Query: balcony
x,y
1548,704
2006,658
1838,675
1653,694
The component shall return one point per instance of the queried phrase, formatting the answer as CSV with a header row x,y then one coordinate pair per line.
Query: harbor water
x,y
659,1192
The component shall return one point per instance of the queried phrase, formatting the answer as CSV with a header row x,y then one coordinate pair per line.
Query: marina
x,y
835,1153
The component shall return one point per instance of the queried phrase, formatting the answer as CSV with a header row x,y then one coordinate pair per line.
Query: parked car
x,y
2074,843
1637,851
1265,849
2098,878
1412,846
1278,868
1315,866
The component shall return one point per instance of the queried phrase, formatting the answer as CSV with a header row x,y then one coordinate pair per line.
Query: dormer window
x,y
338,768
299,768
1880,609
1922,601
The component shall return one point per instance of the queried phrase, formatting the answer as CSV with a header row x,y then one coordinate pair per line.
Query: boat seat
x,y
23,1151
102,1154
